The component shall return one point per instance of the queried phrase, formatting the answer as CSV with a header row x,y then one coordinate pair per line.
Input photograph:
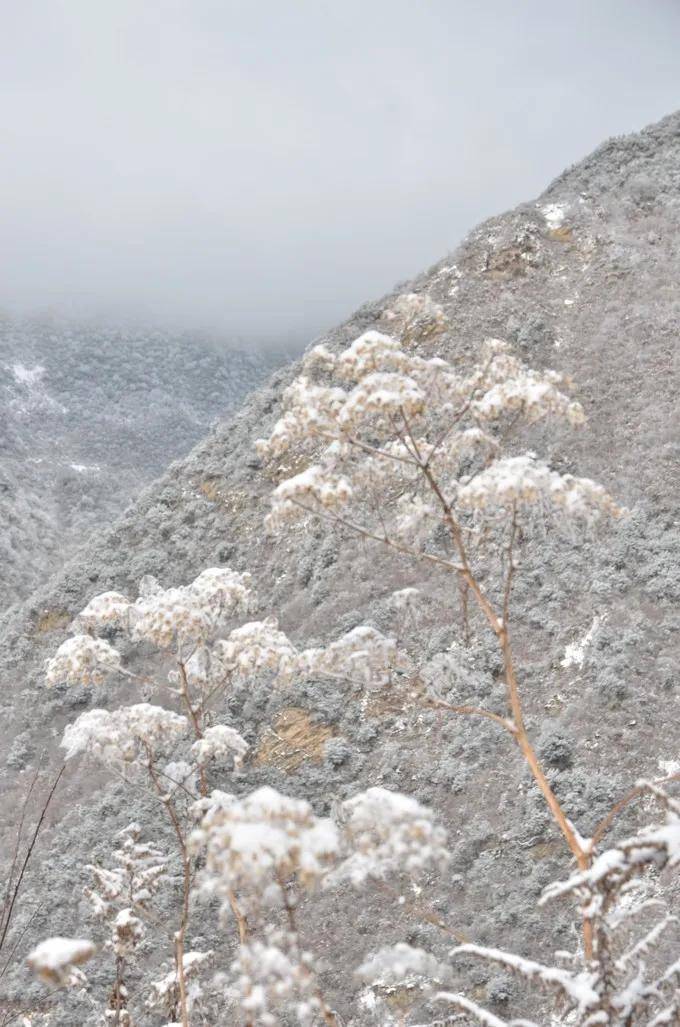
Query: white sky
x,y
262,167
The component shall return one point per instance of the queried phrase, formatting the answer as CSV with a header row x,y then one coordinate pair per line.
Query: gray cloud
x,y
263,166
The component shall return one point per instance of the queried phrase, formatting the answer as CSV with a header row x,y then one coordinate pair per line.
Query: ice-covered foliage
x,y
363,655
255,844
220,743
272,976
633,974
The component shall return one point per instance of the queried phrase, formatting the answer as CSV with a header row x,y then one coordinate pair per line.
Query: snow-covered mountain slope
x,y
586,279
89,416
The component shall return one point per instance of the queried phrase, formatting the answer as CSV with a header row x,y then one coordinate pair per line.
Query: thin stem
x,y
474,711
195,721
328,1015
27,858
383,539
634,794
186,888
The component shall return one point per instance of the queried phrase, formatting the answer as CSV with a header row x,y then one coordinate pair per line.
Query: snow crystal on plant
x,y
191,613
312,488
364,654
55,959
397,962
120,738
254,647
520,480
110,609
263,838
387,832
273,975
82,660
218,743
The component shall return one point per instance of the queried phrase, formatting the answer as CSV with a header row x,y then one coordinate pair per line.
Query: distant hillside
x,y
88,416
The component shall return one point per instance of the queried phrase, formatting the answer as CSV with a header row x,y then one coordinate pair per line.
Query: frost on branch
x,y
56,960
634,973
123,894
82,660
164,995
125,737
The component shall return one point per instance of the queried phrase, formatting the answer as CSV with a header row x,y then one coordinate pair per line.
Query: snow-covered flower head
x,y
255,647
387,832
273,975
401,962
110,609
364,654
82,660
220,743
524,480
415,316
191,613
56,960
255,843
315,488
122,737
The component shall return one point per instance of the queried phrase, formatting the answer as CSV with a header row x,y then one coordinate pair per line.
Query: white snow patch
x,y
84,468
669,767
554,214
575,653
29,376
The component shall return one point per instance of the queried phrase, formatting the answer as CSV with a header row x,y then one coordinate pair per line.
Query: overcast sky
x,y
264,166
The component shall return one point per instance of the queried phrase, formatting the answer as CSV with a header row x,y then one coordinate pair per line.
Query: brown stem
x,y
473,711
499,625
195,722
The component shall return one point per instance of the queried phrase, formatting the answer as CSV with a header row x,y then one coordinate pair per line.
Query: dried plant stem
x,y
198,726
328,1015
498,622
12,895
180,933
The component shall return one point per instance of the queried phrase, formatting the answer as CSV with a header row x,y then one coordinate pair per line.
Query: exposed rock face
x,y
585,280
89,416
